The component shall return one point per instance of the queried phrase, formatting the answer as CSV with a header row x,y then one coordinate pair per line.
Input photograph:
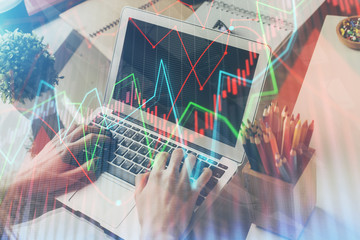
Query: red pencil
x,y
304,129
263,156
274,149
286,140
271,115
292,127
262,125
309,134
269,155
283,116
277,125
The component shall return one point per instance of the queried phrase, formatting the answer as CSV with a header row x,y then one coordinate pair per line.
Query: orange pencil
x,y
297,134
292,127
283,116
297,117
266,116
277,125
286,140
262,153
262,125
274,149
269,155
271,115
304,130
309,134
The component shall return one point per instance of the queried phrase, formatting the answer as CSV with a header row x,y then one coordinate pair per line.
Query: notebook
x,y
97,20
278,18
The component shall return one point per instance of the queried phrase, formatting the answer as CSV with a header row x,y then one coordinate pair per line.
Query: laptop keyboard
x,y
132,152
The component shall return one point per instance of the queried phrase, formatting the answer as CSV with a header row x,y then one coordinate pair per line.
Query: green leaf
x,y
22,53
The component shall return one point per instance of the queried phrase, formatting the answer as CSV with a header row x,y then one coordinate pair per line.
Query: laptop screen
x,y
185,79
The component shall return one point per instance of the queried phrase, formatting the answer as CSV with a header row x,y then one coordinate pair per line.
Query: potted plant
x,y
24,62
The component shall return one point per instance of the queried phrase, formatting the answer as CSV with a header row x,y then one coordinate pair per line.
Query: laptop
x,y
171,85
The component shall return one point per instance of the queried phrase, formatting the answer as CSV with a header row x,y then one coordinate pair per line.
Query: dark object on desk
x,y
192,2
348,31
220,26
14,15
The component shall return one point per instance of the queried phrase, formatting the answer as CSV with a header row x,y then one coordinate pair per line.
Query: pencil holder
x,y
279,206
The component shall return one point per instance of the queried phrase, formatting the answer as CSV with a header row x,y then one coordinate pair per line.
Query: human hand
x,y
165,198
51,170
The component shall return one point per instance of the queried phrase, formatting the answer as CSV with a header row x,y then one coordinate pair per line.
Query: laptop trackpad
x,y
105,202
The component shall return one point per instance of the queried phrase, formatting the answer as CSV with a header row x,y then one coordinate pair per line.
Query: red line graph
x,y
201,85
197,17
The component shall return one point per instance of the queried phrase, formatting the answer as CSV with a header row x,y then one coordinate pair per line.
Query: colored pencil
x,y
277,124
271,114
279,164
309,134
269,155
247,151
262,125
292,127
297,134
266,116
286,140
283,116
274,143
293,157
288,169
263,157
304,129
274,149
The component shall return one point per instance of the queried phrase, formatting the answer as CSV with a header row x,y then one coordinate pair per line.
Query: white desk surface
x,y
329,95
